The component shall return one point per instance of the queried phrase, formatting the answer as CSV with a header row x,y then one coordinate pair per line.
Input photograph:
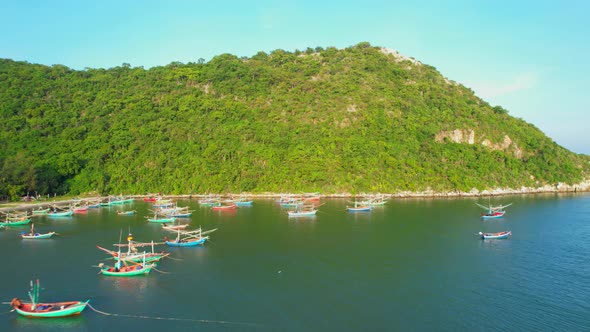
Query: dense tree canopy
x,y
330,120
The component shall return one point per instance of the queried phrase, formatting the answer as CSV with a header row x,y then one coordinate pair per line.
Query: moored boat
x,y
36,309
224,207
499,235
57,214
189,238
41,211
495,214
307,210
126,271
9,223
359,207
32,235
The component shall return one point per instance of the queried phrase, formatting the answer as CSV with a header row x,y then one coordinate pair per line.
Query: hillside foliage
x,y
332,120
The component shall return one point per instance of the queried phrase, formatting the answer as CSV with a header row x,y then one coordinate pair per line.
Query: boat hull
x,y
37,236
70,309
187,244
137,272
360,209
302,214
501,235
60,214
15,223
162,220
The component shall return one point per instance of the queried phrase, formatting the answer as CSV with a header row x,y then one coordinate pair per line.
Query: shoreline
x,y
560,188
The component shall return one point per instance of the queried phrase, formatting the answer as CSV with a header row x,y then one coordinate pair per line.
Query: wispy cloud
x,y
491,89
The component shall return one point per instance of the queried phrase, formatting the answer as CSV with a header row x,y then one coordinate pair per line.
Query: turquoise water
x,y
412,265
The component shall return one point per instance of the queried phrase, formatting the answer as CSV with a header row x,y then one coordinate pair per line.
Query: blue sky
x,y
531,57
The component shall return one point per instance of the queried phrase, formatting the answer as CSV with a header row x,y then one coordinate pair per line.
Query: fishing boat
x,y
375,200
133,254
39,212
126,213
495,214
173,228
151,198
80,209
224,207
159,217
36,309
15,222
499,235
126,268
242,200
359,207
32,235
210,200
189,238
58,214
162,220
493,211
307,210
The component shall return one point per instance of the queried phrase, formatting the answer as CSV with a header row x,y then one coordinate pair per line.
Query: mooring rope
x,y
164,272
172,318
4,313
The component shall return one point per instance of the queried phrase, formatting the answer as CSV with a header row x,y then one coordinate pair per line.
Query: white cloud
x,y
491,89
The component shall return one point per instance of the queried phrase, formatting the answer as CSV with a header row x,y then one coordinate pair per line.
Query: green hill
x,y
360,119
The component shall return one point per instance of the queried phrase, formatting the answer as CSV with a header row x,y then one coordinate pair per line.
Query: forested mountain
x,y
360,119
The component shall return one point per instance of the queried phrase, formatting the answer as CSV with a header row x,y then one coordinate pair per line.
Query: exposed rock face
x,y
467,136
398,57
457,136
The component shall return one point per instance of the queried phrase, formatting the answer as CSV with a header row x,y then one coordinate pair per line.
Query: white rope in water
x,y
171,318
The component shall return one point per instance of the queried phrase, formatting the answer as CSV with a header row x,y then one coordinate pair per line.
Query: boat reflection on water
x,y
135,287
71,323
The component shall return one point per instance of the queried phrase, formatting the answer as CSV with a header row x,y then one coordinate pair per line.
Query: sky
x,y
530,57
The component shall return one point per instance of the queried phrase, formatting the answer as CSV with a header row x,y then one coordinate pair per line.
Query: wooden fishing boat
x,y
307,210
173,227
359,207
80,209
151,199
36,309
130,255
129,270
210,200
126,213
188,242
125,267
189,238
41,211
499,235
241,200
9,223
56,214
37,235
34,236
224,207
493,211
495,214
162,220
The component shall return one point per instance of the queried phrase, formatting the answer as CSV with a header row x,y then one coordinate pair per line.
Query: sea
x,y
411,265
